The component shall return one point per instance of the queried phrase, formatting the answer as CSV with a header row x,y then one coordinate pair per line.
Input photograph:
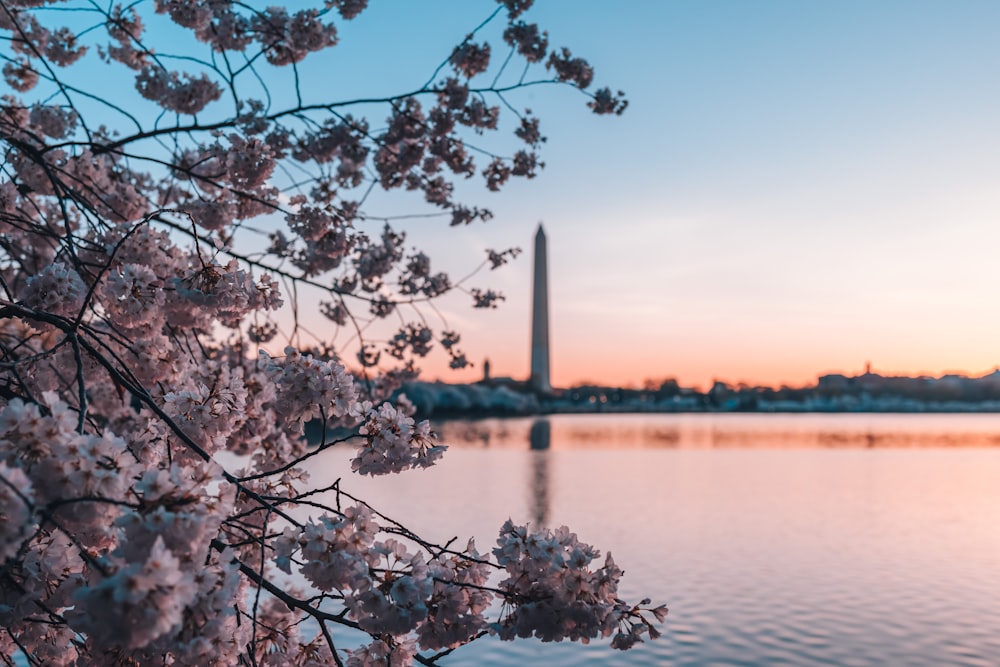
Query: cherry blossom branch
x,y
131,305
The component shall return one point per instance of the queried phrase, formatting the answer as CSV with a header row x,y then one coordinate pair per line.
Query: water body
x,y
848,540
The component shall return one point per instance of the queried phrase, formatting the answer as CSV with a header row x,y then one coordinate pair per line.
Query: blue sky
x,y
796,187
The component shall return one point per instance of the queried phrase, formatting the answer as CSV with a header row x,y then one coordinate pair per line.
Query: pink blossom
x,y
53,121
382,653
56,289
471,59
393,443
574,70
182,93
288,39
62,47
195,15
248,162
20,75
516,7
133,297
137,604
348,8
528,39
307,388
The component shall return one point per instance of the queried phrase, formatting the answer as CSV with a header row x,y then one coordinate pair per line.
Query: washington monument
x,y
540,318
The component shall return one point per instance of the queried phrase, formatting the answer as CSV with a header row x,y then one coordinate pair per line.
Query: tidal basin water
x,y
847,540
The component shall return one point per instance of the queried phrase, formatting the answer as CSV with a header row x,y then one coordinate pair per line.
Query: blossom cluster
x,y
388,590
393,442
459,600
127,574
230,291
559,595
208,409
182,93
552,591
139,603
307,388
55,289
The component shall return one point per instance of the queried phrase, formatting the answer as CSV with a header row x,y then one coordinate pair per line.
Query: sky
x,y
796,188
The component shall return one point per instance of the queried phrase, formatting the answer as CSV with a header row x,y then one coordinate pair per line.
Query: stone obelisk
x,y
540,318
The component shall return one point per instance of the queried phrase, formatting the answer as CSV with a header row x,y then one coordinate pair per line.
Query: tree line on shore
x,y
832,392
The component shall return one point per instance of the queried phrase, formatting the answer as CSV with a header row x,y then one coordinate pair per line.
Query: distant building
x,y
833,382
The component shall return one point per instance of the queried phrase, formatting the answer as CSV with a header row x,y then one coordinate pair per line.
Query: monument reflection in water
x,y
540,439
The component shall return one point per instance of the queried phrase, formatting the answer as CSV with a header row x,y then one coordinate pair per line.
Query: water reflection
x,y
540,435
540,439
727,431
774,539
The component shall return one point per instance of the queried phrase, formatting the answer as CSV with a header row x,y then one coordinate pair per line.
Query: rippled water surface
x,y
775,540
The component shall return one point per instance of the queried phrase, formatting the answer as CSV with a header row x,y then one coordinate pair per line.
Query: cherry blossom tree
x,y
155,247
